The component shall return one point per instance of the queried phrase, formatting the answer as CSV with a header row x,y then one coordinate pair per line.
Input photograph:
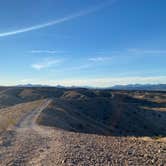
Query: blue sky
x,y
76,42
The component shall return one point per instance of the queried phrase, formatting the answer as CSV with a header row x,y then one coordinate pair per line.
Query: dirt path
x,y
28,143
28,121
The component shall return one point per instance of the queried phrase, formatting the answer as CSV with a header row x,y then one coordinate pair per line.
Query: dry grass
x,y
6,122
10,116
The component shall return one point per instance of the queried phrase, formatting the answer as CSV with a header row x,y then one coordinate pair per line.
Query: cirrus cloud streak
x,y
46,63
58,21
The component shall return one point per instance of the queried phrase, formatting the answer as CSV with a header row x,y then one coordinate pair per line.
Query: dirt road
x,y
28,143
28,121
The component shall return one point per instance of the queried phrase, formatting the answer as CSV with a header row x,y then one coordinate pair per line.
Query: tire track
x,y
30,143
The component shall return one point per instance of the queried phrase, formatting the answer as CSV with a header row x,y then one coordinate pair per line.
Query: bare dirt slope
x,y
21,144
29,144
77,132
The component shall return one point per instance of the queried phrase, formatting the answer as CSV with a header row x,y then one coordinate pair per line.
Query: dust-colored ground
x,y
45,146
30,144
25,143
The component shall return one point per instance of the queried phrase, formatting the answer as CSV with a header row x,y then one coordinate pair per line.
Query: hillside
x,y
106,112
96,111
79,126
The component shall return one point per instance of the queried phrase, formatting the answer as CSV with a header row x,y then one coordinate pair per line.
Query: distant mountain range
x,y
32,85
150,87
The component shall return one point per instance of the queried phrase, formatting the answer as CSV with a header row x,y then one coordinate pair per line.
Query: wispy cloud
x,y
90,63
81,67
110,81
146,51
129,51
100,59
58,21
103,82
94,82
46,51
26,80
46,63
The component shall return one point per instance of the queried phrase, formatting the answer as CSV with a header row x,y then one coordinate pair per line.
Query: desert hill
x,y
79,126
137,113
114,113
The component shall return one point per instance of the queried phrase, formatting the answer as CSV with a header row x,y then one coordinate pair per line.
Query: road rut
x,y
28,143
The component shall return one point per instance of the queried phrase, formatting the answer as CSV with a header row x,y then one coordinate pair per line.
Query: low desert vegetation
x,y
6,122
82,126
110,112
10,116
120,113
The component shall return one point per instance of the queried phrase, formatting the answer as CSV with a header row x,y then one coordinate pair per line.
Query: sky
x,y
97,43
